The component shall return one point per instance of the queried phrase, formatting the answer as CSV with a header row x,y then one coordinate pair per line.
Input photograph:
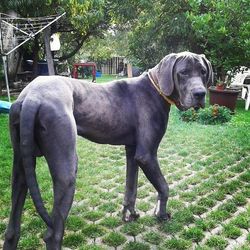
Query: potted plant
x,y
223,95
220,85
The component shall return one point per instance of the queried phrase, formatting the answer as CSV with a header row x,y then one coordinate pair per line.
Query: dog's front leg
x,y
129,213
150,166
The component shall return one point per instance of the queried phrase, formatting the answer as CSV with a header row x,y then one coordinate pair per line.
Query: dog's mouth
x,y
196,106
199,106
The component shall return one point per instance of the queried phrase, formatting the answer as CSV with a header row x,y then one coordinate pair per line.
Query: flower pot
x,y
223,97
220,87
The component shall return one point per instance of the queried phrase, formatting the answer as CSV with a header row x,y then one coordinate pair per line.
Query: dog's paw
x,y
128,216
163,217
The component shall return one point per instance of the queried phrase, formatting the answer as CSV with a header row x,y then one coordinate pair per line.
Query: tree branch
x,y
76,49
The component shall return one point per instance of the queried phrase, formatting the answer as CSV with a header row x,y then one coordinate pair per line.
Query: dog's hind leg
x,y
64,188
59,145
129,213
19,191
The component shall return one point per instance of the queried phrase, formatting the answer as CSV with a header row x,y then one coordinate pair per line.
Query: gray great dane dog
x,y
52,110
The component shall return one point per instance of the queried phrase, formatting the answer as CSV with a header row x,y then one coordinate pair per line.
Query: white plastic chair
x,y
238,81
245,94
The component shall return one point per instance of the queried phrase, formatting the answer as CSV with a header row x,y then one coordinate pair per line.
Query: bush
x,y
189,115
212,115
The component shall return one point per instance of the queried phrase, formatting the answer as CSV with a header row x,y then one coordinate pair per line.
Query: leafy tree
x,y
223,30
219,29
113,43
84,19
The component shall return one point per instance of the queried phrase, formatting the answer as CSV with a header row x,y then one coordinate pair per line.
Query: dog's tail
x,y
27,147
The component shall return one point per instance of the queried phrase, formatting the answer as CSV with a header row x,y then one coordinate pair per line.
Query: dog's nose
x,y
199,94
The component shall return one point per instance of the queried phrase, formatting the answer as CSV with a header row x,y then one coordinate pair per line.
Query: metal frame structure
x,y
33,30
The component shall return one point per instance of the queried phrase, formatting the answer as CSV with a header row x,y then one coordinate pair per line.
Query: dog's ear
x,y
166,74
210,75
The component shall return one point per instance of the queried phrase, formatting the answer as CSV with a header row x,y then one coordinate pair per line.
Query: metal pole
x,y
6,75
4,61
4,57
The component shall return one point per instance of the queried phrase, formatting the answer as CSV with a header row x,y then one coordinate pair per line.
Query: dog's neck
x,y
156,85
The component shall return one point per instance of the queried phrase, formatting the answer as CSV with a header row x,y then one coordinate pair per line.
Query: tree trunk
x,y
48,51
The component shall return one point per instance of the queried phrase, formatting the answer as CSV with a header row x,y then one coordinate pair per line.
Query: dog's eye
x,y
184,72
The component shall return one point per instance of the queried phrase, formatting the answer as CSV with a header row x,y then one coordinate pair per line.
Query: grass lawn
x,y
207,167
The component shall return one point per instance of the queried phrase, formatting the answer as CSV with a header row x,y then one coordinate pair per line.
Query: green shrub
x,y
212,115
189,115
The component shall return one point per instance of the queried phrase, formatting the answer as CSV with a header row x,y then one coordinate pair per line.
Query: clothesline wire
x,y
6,16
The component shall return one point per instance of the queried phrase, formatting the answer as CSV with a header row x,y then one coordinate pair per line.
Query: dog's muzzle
x,y
199,98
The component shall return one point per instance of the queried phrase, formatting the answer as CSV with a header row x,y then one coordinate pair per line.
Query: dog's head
x,y
184,77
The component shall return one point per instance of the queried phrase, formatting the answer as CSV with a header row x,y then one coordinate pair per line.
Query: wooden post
x,y
49,57
129,70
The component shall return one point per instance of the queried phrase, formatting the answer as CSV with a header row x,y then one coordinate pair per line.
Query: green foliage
x,y
133,228
92,247
94,215
231,231
75,223
177,244
29,243
224,38
93,231
99,49
73,240
111,222
217,242
212,115
136,246
114,239
153,238
205,176
195,234
242,221
195,25
184,216
189,115
219,215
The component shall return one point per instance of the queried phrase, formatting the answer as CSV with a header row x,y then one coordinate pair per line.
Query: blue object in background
x,y
5,107
98,74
